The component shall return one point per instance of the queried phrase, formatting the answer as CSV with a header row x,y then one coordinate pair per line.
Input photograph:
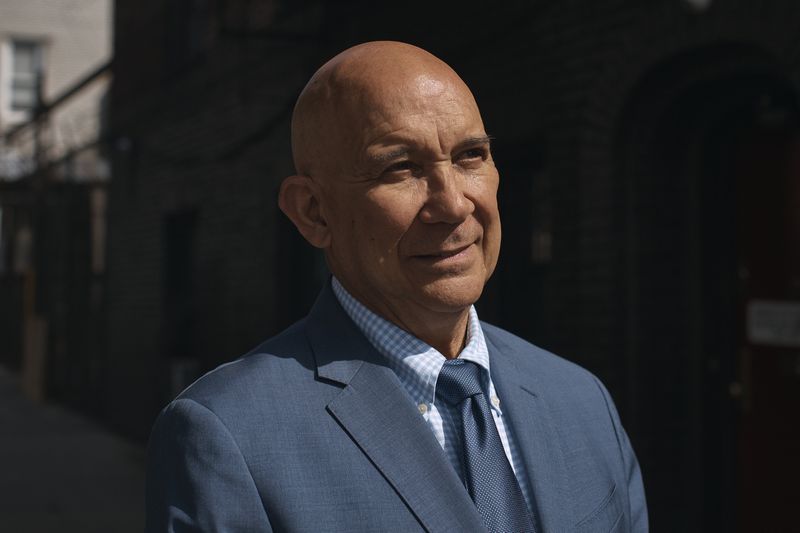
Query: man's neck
x,y
448,334
446,331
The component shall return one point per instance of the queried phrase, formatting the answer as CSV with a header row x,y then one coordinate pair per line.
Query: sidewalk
x,y
60,472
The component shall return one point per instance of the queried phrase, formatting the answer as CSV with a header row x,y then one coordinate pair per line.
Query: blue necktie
x,y
488,475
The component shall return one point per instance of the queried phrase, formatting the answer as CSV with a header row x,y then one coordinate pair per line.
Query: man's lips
x,y
444,254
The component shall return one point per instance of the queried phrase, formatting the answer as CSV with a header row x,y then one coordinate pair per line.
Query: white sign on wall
x,y
773,323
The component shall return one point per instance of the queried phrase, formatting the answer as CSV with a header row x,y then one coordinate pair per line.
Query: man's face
x,y
411,200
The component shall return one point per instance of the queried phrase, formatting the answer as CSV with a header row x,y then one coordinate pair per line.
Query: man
x,y
390,407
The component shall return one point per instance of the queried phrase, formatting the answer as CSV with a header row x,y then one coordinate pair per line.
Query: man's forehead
x,y
402,94
400,88
369,91
429,85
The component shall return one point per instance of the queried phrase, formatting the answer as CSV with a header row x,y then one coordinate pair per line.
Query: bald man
x,y
347,421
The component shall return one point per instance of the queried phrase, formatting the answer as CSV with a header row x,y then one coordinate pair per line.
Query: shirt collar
x,y
416,363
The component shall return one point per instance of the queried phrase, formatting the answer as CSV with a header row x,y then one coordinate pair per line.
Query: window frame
x,y
33,84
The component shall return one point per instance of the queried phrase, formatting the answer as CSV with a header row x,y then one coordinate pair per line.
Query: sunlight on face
x,y
413,211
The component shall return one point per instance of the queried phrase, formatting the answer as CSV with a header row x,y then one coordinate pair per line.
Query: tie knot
x,y
458,381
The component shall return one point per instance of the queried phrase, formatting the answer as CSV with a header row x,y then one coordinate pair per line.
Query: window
x,y
26,68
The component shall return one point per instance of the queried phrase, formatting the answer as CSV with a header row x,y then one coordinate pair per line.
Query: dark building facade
x,y
649,165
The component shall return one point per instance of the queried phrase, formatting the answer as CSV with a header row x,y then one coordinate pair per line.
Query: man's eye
x,y
474,154
400,166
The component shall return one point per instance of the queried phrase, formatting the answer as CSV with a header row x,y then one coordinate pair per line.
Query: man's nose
x,y
447,200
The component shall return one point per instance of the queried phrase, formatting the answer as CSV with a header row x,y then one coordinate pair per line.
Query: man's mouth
x,y
451,252
445,254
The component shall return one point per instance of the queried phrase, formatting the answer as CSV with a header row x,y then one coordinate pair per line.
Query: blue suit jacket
x,y
313,432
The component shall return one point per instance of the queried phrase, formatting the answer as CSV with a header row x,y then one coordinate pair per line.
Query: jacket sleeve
x,y
197,478
633,474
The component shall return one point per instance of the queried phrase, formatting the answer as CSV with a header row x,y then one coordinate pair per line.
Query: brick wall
x,y
564,89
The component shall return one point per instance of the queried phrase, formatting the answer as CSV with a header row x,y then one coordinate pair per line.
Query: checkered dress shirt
x,y
417,365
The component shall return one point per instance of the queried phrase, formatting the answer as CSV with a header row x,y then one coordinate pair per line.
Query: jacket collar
x,y
532,420
378,414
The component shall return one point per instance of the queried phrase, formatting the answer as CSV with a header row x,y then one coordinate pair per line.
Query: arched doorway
x,y
706,150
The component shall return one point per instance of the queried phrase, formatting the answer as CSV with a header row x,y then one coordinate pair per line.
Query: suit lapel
x,y
377,413
535,431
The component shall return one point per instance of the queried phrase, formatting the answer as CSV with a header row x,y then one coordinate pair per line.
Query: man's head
x,y
395,180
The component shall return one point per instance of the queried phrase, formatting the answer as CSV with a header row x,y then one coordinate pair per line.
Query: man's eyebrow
x,y
472,141
385,157
388,156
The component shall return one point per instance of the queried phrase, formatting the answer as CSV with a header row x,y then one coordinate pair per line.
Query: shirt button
x,y
423,408
495,401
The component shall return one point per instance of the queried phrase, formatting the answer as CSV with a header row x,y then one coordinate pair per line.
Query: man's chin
x,y
452,294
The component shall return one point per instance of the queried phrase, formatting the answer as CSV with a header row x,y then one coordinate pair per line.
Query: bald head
x,y
396,183
350,91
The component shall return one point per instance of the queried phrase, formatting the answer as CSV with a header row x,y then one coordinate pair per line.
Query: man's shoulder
x,y
566,386
285,356
548,367
513,344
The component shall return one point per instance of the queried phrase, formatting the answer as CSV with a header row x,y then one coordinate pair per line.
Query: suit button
x,y
423,408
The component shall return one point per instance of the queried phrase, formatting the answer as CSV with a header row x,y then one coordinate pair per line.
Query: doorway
x,y
767,174
709,161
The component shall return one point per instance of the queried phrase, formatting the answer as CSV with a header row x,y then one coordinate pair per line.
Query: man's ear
x,y
299,200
